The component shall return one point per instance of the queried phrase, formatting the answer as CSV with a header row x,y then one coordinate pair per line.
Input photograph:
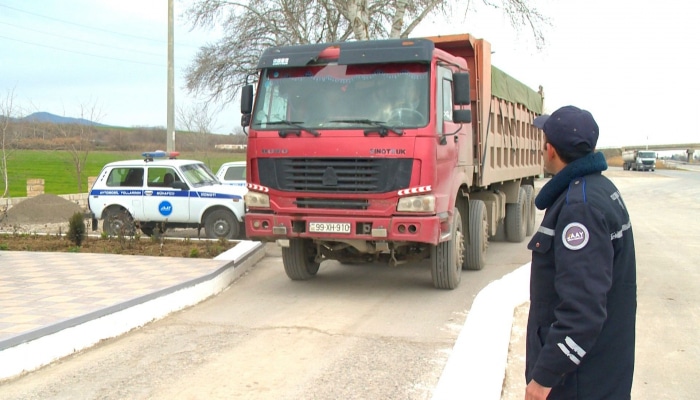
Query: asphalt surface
x,y
56,304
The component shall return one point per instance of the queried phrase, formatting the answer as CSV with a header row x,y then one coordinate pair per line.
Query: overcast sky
x,y
633,64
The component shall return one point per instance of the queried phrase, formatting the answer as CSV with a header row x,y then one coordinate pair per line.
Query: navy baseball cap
x,y
570,130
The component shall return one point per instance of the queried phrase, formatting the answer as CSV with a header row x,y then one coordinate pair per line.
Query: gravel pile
x,y
43,211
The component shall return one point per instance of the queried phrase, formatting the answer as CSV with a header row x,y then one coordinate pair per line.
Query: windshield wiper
x,y
297,124
383,130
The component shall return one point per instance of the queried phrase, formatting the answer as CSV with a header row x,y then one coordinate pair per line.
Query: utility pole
x,y
171,80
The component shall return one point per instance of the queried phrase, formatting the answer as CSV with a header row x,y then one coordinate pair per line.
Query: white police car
x,y
160,192
232,173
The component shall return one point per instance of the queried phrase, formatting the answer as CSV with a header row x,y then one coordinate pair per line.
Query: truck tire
x,y
118,223
447,257
221,224
531,209
516,222
299,259
475,249
500,235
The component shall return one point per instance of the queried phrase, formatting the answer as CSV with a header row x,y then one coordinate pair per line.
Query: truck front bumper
x,y
422,229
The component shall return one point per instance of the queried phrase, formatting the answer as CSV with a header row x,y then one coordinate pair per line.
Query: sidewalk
x,y
55,304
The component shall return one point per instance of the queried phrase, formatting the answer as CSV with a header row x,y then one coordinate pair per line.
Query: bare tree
x,y
197,120
8,135
252,26
79,139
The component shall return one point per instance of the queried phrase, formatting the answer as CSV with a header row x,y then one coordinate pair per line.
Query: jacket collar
x,y
594,162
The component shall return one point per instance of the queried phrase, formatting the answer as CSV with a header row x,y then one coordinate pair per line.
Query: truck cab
x,y
367,151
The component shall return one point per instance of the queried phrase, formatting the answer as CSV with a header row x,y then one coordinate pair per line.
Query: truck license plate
x,y
329,227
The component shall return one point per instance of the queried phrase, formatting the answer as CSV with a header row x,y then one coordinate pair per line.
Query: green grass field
x,y
57,169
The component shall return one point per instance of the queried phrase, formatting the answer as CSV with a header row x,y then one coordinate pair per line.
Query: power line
x,y
83,26
159,41
81,53
52,34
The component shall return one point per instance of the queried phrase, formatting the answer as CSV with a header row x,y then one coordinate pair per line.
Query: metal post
x,y
171,80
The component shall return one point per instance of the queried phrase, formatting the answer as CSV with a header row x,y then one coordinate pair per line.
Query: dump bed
x,y
506,144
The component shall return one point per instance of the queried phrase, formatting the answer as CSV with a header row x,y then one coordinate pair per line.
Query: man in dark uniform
x,y
583,286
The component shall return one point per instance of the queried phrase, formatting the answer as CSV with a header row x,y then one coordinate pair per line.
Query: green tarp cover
x,y
508,88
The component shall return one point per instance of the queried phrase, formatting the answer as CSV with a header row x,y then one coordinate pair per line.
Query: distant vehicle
x,y
160,192
232,173
639,160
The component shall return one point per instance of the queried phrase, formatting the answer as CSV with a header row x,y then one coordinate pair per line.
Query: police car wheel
x,y
153,230
220,224
118,223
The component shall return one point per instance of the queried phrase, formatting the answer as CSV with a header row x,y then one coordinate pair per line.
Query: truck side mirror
x,y
462,93
462,116
246,104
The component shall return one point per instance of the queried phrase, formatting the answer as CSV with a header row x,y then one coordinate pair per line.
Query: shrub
x,y
76,229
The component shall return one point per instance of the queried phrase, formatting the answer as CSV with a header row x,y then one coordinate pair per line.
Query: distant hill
x,y
45,117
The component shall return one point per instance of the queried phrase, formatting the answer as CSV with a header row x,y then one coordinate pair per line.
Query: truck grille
x,y
340,204
335,175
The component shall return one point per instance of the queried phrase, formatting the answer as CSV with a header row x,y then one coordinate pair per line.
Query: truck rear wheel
x,y
531,209
516,222
220,224
299,259
447,257
475,254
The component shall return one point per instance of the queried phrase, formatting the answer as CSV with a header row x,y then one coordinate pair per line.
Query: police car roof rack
x,y
150,155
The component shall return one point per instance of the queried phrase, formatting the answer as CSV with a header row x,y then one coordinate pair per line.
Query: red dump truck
x,y
394,151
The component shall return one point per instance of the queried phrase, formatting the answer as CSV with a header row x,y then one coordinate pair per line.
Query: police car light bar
x,y
150,155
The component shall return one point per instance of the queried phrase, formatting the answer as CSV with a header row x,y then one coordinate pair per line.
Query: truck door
x,y
160,200
449,142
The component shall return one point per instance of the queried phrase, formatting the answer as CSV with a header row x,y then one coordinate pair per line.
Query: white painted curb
x,y
476,367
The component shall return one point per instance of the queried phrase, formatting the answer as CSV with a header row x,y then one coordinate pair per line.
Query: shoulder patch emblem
x,y
575,236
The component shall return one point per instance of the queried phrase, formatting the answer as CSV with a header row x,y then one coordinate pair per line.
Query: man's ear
x,y
551,151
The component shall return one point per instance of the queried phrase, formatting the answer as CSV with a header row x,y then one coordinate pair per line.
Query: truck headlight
x,y
257,200
425,203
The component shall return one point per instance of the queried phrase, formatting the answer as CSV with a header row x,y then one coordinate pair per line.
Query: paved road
x,y
356,331
371,331
664,207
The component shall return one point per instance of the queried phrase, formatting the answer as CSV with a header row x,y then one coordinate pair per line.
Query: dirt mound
x,y
42,209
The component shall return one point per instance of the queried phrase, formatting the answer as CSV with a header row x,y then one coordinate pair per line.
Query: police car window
x,y
125,177
198,174
161,176
235,173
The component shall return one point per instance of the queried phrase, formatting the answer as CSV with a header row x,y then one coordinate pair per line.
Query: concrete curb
x,y
39,348
477,365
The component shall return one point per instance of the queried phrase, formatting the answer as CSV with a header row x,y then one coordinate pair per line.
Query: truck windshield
x,y
647,154
342,97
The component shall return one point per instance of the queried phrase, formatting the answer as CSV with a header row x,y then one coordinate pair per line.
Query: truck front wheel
x,y
299,259
220,224
447,257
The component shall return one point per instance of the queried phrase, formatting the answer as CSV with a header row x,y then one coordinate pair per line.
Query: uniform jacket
x,y
583,292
